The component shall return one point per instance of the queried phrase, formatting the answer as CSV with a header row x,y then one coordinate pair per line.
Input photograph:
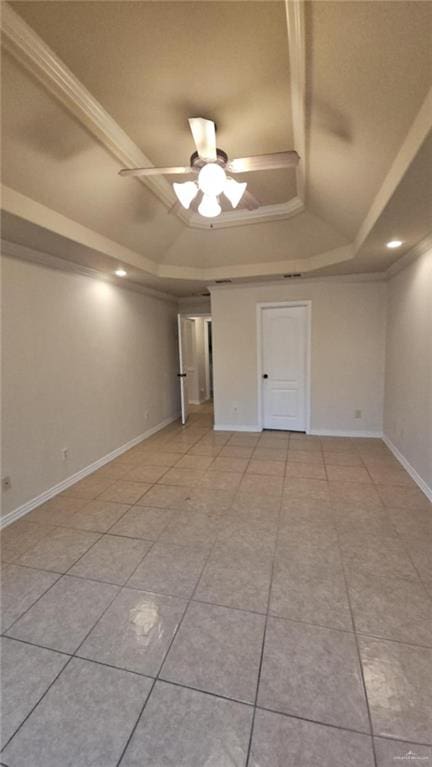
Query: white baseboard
x,y
235,427
345,433
28,506
410,469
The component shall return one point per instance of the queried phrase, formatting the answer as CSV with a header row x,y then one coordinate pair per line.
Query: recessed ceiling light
x,y
394,244
120,272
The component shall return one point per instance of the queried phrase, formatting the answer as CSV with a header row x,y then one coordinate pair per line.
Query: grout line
x,y
165,656
248,756
357,647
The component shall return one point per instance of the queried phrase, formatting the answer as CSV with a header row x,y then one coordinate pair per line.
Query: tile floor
x,y
218,599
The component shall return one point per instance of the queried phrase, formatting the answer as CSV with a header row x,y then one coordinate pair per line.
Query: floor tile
x,y
392,608
248,538
27,672
158,458
403,497
306,457
240,581
315,489
208,500
217,650
62,617
388,475
412,524
221,480
339,458
270,454
376,555
267,468
185,728
166,496
223,463
246,502
125,492
57,510
112,559
305,445
420,554
89,487
59,550
191,529
360,492
98,516
399,687
236,451
181,477
353,520
22,535
313,556
321,681
135,632
142,522
348,474
318,598
98,704
393,752
170,569
200,462
146,473
20,588
254,483
312,470
280,741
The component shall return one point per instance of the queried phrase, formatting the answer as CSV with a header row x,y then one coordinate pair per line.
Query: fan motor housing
x,y
197,163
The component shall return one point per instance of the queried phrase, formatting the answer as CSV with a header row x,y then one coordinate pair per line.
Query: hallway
x,y
223,599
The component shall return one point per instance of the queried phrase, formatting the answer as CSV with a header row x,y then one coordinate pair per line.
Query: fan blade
x,y
264,162
249,202
155,171
204,136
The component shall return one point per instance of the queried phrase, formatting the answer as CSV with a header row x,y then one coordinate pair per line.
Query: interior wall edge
x,y
31,504
427,490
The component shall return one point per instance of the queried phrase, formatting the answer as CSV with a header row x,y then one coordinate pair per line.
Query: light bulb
x,y
209,206
394,244
120,272
211,179
186,192
234,190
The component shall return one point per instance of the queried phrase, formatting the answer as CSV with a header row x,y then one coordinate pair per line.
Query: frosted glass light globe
x,y
211,179
209,207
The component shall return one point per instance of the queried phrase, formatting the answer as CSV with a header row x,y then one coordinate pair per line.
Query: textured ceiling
x,y
154,64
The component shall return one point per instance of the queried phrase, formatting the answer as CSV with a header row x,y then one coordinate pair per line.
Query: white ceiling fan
x,y
211,165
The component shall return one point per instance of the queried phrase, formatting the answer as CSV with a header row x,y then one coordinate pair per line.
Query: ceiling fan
x,y
211,166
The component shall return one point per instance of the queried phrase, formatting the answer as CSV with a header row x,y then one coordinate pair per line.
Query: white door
x,y
284,343
182,374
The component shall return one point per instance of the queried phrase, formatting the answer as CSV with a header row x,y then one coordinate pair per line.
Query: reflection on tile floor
x,y
223,599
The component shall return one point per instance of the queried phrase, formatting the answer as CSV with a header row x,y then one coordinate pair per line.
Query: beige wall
x,y
347,352
408,384
86,365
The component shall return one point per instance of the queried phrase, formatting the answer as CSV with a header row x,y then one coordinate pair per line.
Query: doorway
x,y
195,361
283,361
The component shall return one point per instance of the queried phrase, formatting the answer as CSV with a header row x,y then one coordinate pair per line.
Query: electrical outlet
x,y
146,415
65,453
6,483
235,407
357,413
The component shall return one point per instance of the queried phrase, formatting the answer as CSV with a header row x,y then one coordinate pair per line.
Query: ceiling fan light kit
x,y
211,164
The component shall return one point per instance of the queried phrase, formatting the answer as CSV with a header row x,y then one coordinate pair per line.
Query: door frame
x,y
260,307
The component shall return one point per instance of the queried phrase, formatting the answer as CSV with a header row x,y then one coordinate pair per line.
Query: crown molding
x,y
23,207
404,261
260,216
35,55
295,18
415,137
22,252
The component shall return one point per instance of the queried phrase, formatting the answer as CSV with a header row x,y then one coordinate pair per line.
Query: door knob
x,y
265,375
